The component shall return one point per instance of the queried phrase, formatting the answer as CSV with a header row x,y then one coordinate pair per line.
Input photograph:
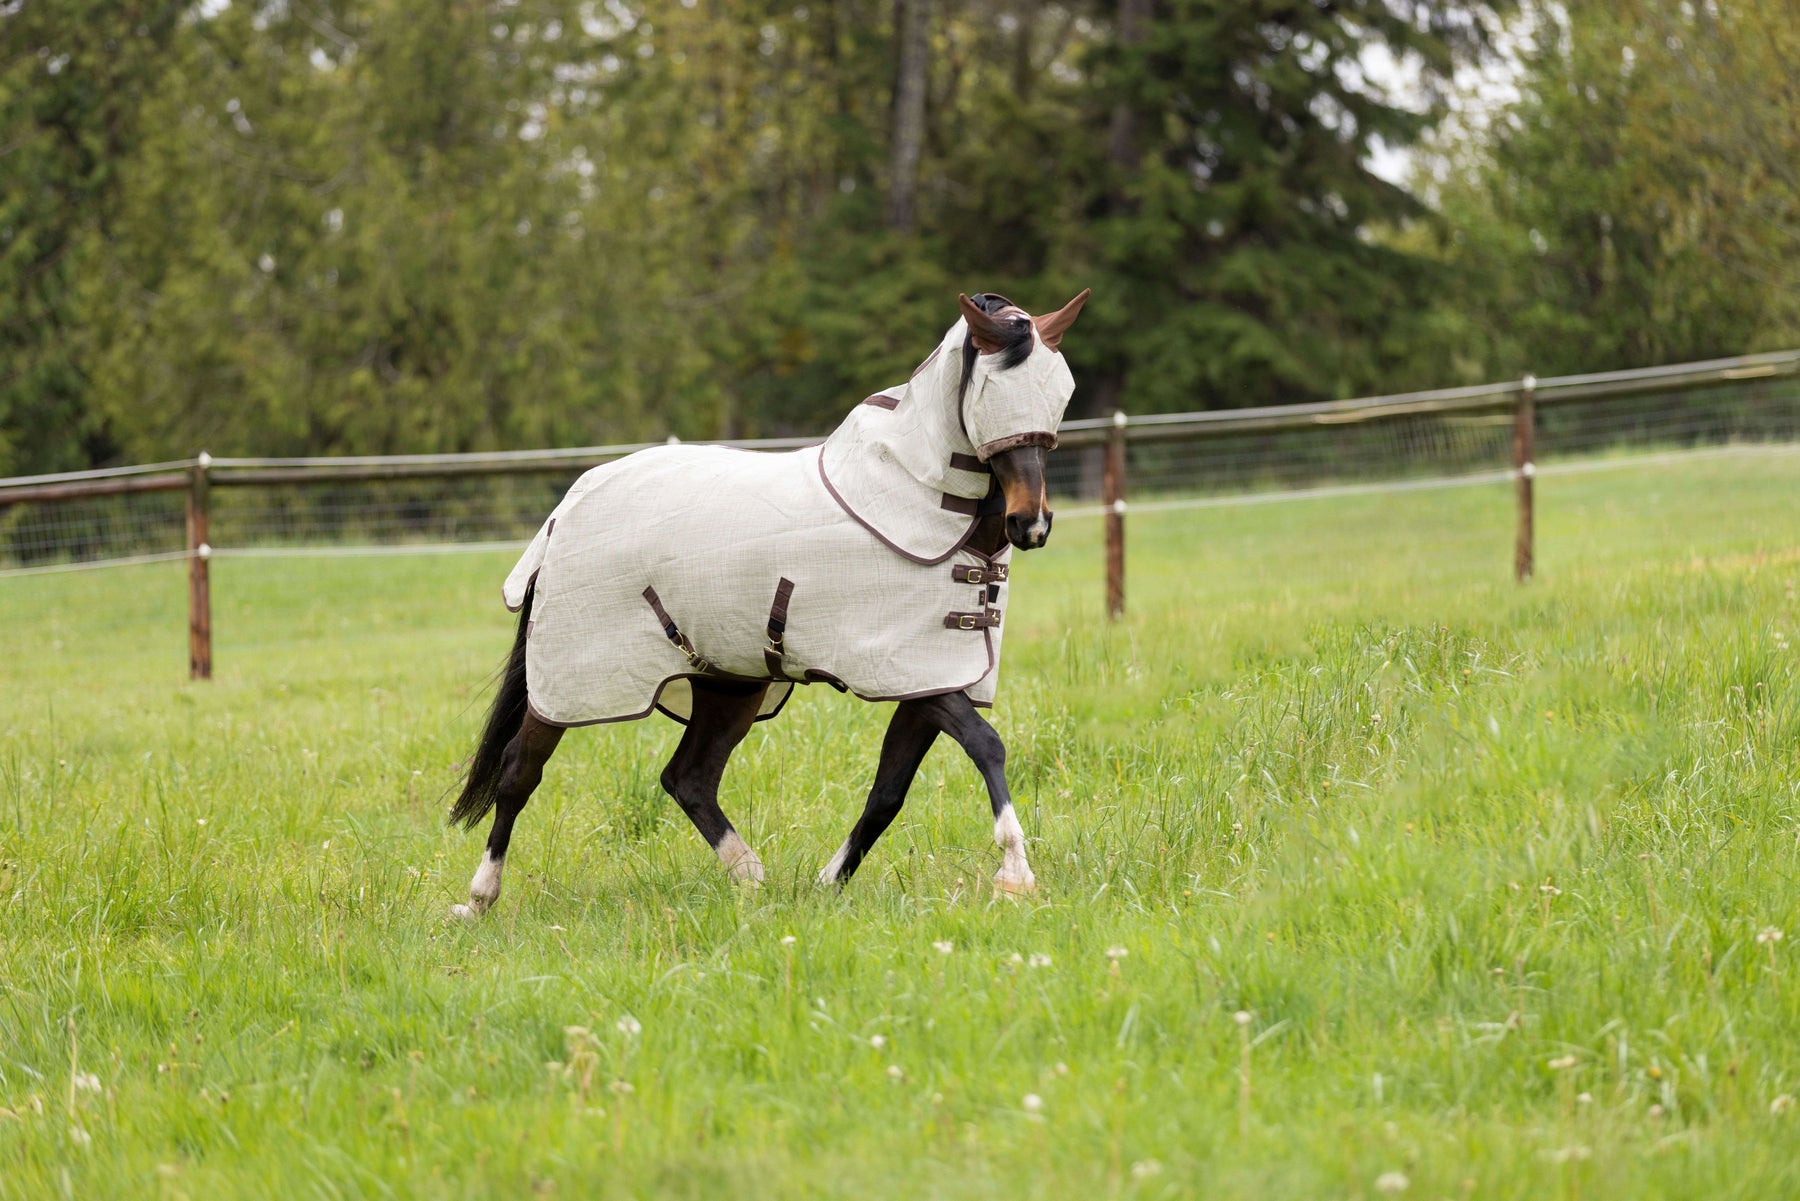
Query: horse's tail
x,y
481,784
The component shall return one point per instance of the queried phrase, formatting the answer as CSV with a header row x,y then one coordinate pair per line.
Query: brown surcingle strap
x,y
992,574
674,634
987,619
778,615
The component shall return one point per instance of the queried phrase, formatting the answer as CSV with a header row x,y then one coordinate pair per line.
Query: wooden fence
x,y
1110,436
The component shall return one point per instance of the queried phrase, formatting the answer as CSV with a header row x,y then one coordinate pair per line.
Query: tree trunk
x,y
909,113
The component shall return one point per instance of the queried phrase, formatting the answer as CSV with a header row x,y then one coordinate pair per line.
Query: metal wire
x,y
1176,462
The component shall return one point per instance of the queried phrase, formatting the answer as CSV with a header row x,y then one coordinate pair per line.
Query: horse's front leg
x,y
915,725
910,733
957,716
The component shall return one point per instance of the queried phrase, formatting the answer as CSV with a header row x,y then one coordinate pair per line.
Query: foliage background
x,y
316,226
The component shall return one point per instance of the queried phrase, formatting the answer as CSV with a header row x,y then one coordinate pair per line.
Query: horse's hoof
x,y
465,913
1015,888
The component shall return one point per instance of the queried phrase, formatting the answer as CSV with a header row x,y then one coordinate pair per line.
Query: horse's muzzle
x,y
1028,531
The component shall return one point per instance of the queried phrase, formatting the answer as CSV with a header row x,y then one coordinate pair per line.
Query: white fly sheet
x,y
844,563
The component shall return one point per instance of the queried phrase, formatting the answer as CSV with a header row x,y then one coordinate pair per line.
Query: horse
x,y
707,582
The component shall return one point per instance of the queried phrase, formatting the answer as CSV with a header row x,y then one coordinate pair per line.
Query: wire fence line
x,y
384,504
209,507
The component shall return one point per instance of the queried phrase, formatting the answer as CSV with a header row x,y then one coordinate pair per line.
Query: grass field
x,y
1363,873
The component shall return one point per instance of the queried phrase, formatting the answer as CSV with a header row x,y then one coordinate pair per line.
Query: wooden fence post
x,y
1113,496
199,575
1525,470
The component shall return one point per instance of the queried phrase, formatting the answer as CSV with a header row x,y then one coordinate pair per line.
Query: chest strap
x,y
992,574
987,619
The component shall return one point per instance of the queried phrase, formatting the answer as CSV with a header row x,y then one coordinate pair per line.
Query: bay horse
x,y
707,582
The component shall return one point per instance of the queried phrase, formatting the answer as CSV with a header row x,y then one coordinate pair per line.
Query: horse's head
x,y
1015,386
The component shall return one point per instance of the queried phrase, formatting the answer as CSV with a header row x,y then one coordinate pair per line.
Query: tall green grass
x,y
1363,872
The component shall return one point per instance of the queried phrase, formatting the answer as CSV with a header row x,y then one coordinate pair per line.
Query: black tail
x,y
481,786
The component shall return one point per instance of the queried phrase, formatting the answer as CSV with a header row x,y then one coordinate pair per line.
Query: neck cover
x,y
903,459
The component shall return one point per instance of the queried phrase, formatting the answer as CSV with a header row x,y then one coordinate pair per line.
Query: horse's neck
x,y
989,537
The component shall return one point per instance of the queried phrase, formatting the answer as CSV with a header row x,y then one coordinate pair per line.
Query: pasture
x,y
1363,872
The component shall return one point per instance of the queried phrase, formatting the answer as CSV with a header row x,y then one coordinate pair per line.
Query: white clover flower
x,y
944,946
1392,1182
877,1041
894,1072
1561,1062
629,1026
87,1082
788,940
1033,1103
1039,959
1116,953
1769,934
82,1138
1782,1104
1143,1169
1241,1017
1015,959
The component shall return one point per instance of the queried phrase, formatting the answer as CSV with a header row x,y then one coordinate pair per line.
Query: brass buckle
x,y
975,576
967,621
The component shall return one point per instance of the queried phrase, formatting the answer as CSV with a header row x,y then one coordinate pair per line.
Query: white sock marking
x,y
1015,872
830,874
484,889
739,860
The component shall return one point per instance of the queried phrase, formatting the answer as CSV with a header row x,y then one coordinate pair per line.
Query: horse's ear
x,y
987,333
1052,327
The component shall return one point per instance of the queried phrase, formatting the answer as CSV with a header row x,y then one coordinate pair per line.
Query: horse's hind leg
x,y
722,715
523,768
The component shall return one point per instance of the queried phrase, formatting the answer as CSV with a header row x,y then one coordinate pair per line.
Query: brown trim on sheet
x,y
882,400
889,542
1043,438
929,359
655,705
530,585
